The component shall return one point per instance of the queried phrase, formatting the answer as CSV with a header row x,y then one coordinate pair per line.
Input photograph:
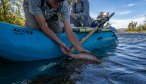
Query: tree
x,y
10,11
132,25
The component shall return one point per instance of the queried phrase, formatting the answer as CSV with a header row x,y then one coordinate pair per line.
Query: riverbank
x,y
124,30
131,32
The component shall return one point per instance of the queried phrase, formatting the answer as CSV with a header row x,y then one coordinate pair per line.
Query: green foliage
x,y
141,28
10,11
133,28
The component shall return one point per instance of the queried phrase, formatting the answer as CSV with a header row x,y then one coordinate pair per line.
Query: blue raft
x,y
25,44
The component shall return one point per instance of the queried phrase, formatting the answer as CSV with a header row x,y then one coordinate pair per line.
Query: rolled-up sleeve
x,y
65,11
35,7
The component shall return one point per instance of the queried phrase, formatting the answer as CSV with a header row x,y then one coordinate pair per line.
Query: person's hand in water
x,y
65,49
82,55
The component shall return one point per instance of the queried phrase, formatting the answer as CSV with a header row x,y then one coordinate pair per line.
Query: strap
x,y
42,3
61,5
75,6
82,7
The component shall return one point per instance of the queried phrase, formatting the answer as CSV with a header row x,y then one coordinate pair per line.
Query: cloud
x,y
131,4
124,13
123,23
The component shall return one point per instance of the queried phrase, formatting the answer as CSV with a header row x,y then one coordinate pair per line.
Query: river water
x,y
121,64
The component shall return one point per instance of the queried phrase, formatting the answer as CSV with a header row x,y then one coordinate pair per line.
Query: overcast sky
x,y
125,10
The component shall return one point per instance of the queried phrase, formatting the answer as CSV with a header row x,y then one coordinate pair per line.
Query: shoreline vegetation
x,y
133,28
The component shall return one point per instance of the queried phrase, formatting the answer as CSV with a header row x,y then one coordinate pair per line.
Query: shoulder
x,y
34,1
65,3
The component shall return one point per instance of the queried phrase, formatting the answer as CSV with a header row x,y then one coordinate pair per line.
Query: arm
x,y
71,36
43,25
35,9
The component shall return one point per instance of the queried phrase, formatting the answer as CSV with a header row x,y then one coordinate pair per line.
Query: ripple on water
x,y
124,64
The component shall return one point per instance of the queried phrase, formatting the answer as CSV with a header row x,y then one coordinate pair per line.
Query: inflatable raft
x,y
25,44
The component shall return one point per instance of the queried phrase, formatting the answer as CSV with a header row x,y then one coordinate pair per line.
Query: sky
x,y
125,11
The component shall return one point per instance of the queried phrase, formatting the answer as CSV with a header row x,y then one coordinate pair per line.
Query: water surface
x,y
122,64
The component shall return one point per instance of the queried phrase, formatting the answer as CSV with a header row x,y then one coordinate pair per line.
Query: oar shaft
x,y
87,36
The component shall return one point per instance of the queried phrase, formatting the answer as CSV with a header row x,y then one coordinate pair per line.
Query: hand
x,y
65,49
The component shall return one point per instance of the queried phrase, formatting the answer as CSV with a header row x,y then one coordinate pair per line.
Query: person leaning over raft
x,y
80,13
43,14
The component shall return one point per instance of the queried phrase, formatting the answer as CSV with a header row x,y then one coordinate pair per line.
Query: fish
x,y
88,56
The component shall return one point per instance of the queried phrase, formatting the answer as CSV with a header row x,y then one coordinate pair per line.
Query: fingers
x,y
65,49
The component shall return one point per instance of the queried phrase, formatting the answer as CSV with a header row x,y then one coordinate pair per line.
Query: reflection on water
x,y
124,64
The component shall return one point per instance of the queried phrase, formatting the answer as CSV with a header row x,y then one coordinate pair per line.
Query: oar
x,y
94,30
88,55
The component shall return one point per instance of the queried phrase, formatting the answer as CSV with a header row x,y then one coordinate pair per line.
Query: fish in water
x,y
86,56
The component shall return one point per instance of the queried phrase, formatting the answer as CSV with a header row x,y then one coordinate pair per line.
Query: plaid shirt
x,y
36,10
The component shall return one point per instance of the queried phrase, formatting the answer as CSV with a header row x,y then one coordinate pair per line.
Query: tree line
x,y
133,27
